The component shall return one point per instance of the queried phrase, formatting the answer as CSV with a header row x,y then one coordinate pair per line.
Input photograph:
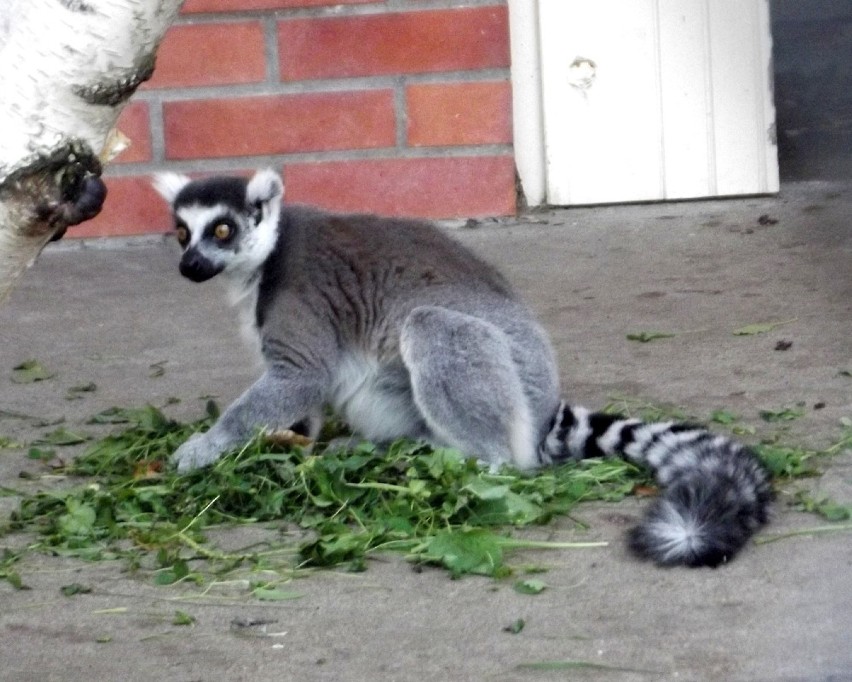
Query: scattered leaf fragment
x,y
646,337
464,551
111,415
41,454
832,511
6,573
761,327
30,371
783,344
275,594
723,417
183,618
76,392
157,369
823,506
74,588
515,627
741,430
61,436
785,414
530,586
79,519
178,570
785,462
104,639
13,578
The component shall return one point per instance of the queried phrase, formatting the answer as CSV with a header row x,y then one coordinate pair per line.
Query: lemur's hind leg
x,y
466,386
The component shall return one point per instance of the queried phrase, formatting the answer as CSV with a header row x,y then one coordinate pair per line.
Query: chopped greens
x,y
330,507
335,508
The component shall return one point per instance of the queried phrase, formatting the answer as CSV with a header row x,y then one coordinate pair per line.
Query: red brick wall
x,y
400,107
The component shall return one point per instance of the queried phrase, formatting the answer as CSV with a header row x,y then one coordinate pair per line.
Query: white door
x,y
656,99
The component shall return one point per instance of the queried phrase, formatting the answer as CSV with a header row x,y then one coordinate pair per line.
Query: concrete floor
x,y
781,611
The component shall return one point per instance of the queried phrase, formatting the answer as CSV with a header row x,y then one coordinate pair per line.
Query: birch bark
x,y
67,67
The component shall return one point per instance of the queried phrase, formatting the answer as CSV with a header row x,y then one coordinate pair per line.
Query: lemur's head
x,y
224,224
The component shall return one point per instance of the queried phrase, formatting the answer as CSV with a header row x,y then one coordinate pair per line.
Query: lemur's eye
x,y
222,231
182,235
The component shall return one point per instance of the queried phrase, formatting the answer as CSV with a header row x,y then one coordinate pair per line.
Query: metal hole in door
x,y
581,73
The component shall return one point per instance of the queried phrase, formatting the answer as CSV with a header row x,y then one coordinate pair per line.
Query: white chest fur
x,y
243,297
375,399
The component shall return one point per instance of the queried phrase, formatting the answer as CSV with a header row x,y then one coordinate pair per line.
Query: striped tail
x,y
716,492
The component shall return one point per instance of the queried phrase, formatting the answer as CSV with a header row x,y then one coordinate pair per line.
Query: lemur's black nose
x,y
197,267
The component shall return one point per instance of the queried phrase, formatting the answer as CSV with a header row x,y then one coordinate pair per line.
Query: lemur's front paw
x,y
200,450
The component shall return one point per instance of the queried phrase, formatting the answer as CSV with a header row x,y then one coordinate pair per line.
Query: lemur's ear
x,y
169,185
265,189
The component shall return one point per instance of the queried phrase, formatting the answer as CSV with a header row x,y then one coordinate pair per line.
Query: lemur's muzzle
x,y
198,268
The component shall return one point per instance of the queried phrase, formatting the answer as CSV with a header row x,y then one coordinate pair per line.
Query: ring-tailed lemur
x,y
408,334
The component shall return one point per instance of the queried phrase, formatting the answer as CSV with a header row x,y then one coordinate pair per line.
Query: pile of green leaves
x,y
341,506
331,507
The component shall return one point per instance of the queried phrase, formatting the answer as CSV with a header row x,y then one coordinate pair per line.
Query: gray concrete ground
x,y
781,611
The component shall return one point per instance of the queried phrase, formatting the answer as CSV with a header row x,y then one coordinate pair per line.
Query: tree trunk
x,y
67,67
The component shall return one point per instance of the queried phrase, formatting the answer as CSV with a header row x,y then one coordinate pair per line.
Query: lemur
x,y
405,333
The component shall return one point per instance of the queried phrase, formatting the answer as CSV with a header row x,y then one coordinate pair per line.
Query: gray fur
x,y
371,315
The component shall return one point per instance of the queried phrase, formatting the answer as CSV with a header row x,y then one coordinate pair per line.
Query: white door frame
x,y
528,117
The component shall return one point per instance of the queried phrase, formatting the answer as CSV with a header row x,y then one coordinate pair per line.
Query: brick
x,y
459,113
279,124
135,124
192,6
409,42
131,207
210,54
428,188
